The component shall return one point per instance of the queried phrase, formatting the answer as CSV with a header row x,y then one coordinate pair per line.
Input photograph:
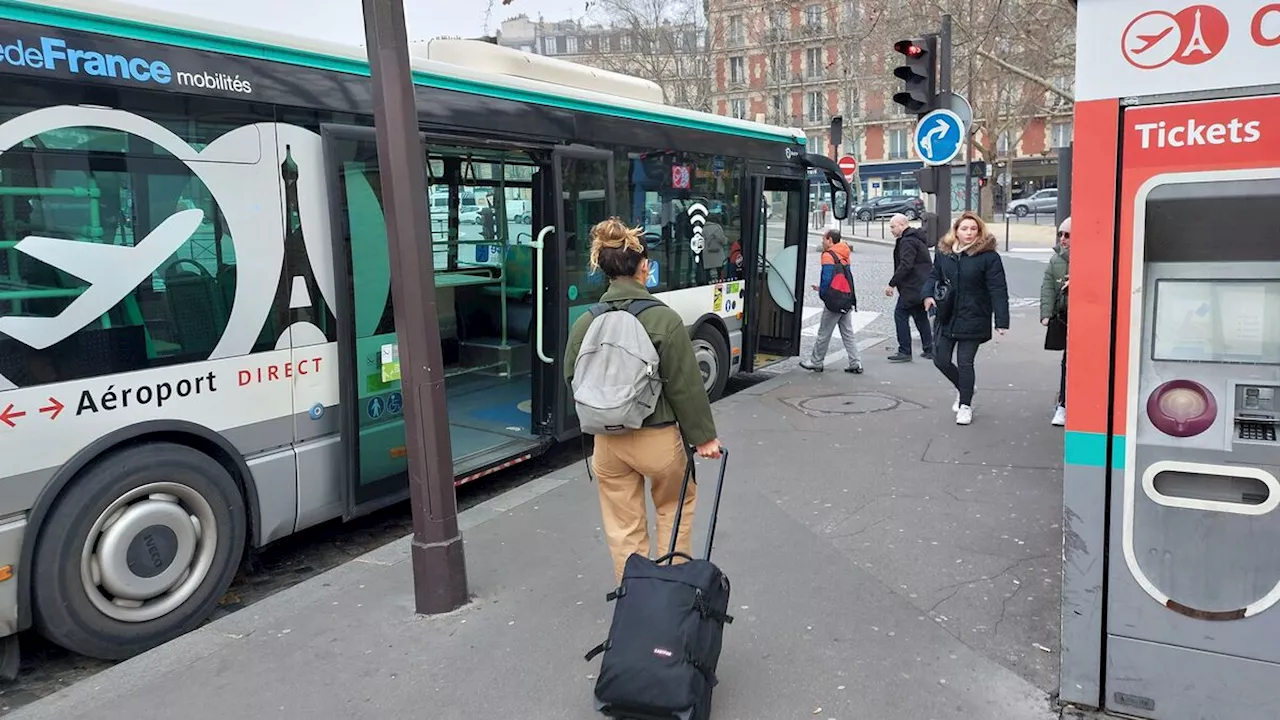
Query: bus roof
x,y
512,63
545,81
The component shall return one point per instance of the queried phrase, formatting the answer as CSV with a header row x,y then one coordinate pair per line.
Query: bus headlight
x,y
1182,408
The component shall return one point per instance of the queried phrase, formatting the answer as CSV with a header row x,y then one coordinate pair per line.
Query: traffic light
x,y
978,169
918,72
927,179
932,229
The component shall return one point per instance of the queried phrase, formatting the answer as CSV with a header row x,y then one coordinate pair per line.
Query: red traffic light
x,y
909,48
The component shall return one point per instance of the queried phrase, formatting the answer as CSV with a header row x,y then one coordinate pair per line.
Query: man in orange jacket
x,y
833,249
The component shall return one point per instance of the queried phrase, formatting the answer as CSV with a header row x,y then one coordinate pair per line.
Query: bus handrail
x,y
538,246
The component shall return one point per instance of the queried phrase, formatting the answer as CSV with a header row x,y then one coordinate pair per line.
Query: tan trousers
x,y
621,463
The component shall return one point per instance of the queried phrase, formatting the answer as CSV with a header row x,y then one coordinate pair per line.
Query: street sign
x,y
849,167
939,136
960,106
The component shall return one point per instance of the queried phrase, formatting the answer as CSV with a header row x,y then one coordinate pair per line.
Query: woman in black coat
x,y
968,288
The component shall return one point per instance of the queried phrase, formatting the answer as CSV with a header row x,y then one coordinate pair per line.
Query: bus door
x,y
773,265
1194,579
483,275
577,194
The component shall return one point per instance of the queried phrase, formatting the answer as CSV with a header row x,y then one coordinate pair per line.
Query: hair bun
x,y
613,235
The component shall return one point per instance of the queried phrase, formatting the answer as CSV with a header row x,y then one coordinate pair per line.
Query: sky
x,y
342,20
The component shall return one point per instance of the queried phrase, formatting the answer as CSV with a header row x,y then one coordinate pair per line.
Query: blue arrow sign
x,y
939,136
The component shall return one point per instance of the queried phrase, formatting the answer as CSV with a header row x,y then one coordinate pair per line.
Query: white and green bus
x,y
197,342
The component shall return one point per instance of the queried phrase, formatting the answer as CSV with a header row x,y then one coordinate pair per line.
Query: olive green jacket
x,y
684,399
1054,274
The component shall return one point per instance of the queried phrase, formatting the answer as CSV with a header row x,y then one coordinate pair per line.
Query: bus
x,y
197,340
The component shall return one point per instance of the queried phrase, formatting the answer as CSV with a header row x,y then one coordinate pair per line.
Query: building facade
x,y
674,55
801,62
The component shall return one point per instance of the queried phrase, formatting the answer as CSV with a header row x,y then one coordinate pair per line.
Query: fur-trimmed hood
x,y
986,244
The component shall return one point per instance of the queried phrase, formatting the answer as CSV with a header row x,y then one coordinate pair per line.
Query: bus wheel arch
x,y
193,436
711,350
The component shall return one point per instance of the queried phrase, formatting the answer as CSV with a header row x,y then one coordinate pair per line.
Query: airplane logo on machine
x,y
111,272
1192,36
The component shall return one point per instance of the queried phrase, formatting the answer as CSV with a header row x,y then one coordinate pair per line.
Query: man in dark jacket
x,y
911,268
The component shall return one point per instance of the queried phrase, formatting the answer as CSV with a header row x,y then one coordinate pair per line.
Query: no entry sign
x,y
848,166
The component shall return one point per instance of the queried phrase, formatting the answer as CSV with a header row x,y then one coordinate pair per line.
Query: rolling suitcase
x,y
664,643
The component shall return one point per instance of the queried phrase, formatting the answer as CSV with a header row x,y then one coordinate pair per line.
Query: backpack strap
x,y
635,307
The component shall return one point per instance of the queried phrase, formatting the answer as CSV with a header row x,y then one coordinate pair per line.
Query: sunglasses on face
x,y
1064,234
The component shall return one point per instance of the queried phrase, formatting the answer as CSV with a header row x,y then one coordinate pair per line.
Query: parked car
x,y
888,206
1041,201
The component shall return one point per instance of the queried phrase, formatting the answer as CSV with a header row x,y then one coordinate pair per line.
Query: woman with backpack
x,y
968,289
681,411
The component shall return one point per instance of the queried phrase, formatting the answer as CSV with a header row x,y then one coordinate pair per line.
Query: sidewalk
x,y
886,564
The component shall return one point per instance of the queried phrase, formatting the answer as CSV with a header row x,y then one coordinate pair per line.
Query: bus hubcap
x,y
708,363
148,552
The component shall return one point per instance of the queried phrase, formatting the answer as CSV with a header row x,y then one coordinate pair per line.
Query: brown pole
x,y
439,567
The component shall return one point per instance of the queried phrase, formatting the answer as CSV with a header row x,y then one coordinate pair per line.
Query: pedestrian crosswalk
x,y
811,316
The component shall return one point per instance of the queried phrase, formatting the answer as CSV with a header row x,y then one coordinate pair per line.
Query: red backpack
x,y
840,296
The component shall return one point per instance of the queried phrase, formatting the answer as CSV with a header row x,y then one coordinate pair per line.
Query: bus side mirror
x,y
839,203
840,189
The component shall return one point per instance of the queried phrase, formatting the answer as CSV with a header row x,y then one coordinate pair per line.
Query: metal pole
x,y
968,143
944,95
439,568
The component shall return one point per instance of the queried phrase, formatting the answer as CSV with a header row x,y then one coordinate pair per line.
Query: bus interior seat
x,y
517,265
195,305
90,352
95,351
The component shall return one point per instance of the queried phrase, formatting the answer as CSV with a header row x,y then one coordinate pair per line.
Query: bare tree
x,y
1013,60
666,41
488,12
854,24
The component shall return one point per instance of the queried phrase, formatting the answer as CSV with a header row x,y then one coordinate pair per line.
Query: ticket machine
x,y
1171,552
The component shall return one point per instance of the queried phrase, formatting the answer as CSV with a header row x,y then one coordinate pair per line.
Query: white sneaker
x,y
955,406
1060,416
964,415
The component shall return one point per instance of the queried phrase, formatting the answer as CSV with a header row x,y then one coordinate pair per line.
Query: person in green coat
x,y
1053,310
682,414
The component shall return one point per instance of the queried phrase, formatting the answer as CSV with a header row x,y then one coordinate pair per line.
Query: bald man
x,y
912,266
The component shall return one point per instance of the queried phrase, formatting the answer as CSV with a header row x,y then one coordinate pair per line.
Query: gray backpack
x,y
615,376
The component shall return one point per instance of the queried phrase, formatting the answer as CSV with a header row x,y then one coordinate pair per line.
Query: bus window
x,y
670,194
98,186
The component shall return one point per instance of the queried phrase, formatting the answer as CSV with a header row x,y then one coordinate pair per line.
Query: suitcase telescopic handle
x,y
715,507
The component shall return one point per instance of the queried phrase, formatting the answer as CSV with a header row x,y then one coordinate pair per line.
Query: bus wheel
x,y
137,551
712,354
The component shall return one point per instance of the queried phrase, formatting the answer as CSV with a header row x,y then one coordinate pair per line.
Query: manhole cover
x,y
849,404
